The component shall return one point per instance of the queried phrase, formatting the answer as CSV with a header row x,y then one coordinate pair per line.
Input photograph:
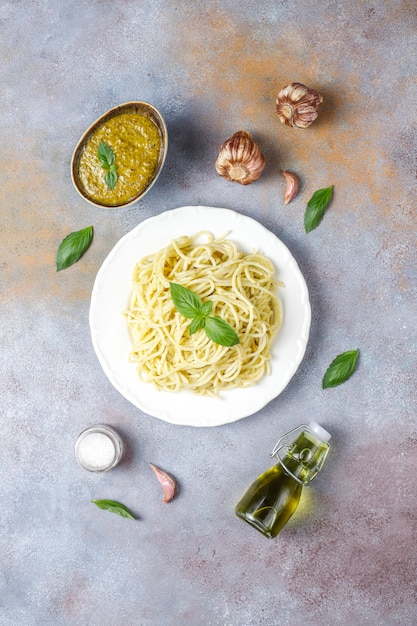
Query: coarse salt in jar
x,y
99,448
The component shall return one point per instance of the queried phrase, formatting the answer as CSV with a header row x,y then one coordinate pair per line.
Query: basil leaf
x,y
340,369
110,179
206,308
114,507
186,302
196,324
219,331
107,158
103,162
105,155
73,247
316,207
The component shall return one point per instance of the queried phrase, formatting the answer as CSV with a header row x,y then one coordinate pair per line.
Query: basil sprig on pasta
x,y
190,305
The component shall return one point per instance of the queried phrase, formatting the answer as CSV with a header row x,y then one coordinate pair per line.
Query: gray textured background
x,y
349,556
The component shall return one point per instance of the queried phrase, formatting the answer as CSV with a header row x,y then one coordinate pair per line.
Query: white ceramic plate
x,y
110,334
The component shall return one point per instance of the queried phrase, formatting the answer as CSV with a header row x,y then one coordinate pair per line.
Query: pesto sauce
x,y
136,143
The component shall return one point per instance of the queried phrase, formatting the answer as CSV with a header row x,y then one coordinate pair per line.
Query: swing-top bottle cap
x,y
319,431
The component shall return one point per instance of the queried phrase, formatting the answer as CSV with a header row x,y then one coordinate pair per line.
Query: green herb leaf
x,y
219,331
187,302
316,207
107,159
190,305
110,179
114,507
105,155
73,247
340,369
206,308
196,324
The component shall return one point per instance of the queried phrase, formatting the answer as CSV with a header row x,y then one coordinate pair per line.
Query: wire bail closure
x,y
284,443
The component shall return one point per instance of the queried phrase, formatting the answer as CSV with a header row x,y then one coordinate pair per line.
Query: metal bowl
x,y
142,108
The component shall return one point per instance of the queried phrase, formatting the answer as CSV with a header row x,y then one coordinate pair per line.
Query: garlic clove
x,y
292,186
168,484
297,105
240,159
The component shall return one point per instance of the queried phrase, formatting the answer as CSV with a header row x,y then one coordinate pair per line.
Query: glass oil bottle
x,y
273,497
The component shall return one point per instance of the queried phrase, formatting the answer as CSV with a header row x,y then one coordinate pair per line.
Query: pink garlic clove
x,y
292,186
168,483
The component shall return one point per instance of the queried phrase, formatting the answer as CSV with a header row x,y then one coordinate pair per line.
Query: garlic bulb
x,y
240,159
297,105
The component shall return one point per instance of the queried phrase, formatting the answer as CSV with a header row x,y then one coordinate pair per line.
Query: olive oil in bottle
x,y
271,500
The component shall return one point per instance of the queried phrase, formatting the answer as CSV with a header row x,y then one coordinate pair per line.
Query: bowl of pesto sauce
x,y
120,156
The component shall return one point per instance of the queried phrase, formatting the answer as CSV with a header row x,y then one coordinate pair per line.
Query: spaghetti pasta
x,y
242,289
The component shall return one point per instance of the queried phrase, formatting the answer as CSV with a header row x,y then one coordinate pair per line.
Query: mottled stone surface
x,y
349,555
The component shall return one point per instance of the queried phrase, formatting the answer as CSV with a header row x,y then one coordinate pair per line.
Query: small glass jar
x,y
99,448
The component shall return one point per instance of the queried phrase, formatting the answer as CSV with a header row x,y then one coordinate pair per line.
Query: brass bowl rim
x,y
155,116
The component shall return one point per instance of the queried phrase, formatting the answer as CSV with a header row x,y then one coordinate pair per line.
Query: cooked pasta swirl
x,y
242,289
